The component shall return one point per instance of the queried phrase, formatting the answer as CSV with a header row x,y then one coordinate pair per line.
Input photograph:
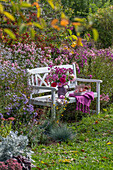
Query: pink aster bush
x,y
60,76
25,55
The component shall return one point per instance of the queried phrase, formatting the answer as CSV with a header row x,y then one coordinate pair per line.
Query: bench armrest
x,y
89,80
43,88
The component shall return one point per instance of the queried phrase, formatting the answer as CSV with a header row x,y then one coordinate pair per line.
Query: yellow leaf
x,y
29,23
74,151
64,22
63,15
51,3
79,19
73,44
95,34
25,4
5,0
109,143
10,33
37,25
8,15
74,37
105,110
79,43
1,8
57,121
78,34
65,161
38,12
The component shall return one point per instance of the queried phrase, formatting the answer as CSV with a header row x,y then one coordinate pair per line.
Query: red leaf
x,y
82,150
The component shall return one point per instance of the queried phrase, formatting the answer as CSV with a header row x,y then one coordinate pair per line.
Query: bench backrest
x,y
37,76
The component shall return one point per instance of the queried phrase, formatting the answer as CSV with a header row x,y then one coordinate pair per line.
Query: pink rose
x,y
62,80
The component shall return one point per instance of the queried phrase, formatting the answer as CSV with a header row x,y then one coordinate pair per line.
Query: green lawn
x,y
91,148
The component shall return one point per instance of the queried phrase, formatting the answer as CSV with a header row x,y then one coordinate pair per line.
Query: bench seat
x,y
46,99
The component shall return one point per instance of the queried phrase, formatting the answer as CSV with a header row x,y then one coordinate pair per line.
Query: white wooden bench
x,y
37,80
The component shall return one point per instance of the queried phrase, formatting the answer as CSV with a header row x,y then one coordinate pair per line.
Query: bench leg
x,y
53,108
98,99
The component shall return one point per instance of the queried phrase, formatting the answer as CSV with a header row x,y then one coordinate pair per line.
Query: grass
x,y
91,148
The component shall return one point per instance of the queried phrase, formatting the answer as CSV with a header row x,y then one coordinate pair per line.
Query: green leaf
x,y
95,34
10,33
1,8
32,33
43,22
26,5
37,25
70,32
22,28
8,15
13,6
70,38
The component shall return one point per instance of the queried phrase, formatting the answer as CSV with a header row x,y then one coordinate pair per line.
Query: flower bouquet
x,y
60,77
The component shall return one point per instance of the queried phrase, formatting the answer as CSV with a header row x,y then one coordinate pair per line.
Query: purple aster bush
x,y
14,94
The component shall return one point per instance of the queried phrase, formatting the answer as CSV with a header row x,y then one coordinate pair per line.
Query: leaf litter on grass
x,y
92,147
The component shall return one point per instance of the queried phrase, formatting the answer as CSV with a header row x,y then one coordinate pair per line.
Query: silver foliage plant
x,y
14,145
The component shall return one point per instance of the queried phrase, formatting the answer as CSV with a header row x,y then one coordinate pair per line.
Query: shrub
x,y
6,126
61,133
35,134
47,125
103,22
13,145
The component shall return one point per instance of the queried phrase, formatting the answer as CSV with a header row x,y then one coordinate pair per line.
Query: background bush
x,y
81,7
103,22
